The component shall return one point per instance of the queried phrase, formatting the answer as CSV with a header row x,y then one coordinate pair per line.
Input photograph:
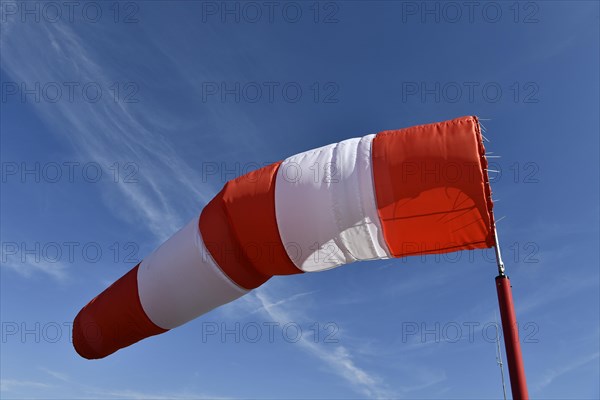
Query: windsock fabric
x,y
419,190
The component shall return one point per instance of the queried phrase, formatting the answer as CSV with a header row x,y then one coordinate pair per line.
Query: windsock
x,y
419,190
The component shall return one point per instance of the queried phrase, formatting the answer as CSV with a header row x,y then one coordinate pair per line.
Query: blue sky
x,y
120,121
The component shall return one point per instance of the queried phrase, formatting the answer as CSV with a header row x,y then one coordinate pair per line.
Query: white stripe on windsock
x,y
180,281
325,206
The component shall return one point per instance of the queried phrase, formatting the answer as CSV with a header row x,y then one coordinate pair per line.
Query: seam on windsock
x,y
355,197
220,239
336,207
139,298
214,265
380,232
277,228
359,163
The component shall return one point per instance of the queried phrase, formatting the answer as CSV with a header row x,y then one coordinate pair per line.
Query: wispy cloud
x,y
12,385
429,377
76,389
61,376
106,130
56,270
339,359
140,395
267,307
561,369
564,287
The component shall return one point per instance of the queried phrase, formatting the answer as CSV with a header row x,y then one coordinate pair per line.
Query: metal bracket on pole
x,y
498,254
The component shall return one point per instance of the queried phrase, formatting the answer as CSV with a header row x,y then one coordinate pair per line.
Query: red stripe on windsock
x,y
432,191
113,320
240,230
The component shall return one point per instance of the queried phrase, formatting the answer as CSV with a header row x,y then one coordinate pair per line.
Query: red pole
x,y
516,370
